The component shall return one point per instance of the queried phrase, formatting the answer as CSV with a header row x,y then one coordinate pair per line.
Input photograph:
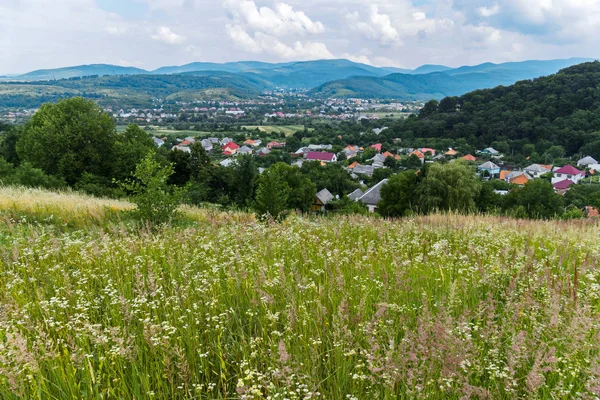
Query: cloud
x,y
377,26
281,20
166,35
489,11
261,42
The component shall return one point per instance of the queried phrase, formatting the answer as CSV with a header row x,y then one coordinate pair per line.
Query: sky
x,y
40,34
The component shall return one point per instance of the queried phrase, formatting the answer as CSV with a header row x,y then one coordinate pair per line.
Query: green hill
x,y
447,82
78,71
560,110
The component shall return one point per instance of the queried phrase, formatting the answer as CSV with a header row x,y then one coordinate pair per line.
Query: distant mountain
x,y
428,69
78,71
450,82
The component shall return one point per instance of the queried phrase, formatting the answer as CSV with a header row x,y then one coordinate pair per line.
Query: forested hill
x,y
558,110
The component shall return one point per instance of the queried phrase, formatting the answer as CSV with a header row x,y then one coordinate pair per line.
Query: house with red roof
x,y
376,146
568,172
562,187
469,158
429,150
275,145
321,156
230,149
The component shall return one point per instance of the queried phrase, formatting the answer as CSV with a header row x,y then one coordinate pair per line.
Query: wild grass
x,y
347,308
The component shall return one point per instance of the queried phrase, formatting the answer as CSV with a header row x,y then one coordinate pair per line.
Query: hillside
x,y
78,71
135,90
429,82
352,307
560,110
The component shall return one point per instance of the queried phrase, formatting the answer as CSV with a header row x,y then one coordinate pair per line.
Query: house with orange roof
x,y
520,180
451,153
469,158
429,150
418,154
354,165
503,174
388,154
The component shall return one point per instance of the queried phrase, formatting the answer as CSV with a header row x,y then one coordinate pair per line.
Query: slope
x,y
78,71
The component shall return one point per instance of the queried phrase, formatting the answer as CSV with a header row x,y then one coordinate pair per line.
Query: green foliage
x,y
302,191
68,139
156,202
536,200
399,195
245,175
129,149
450,187
272,195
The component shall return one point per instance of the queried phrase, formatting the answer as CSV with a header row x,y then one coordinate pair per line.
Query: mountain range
x,y
322,78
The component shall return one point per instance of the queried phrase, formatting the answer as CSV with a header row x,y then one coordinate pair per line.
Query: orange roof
x,y
249,141
469,157
417,153
350,147
387,154
520,180
503,174
323,164
451,152
354,164
548,167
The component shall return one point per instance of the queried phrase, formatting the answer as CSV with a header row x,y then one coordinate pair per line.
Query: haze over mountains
x,y
322,78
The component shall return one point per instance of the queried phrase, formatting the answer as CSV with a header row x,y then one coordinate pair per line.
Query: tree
x,y
8,144
245,180
156,201
398,195
271,196
537,199
450,187
302,190
430,108
130,148
68,139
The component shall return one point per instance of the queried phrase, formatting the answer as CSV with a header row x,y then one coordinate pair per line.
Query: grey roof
x,y
378,158
207,144
228,162
587,161
245,150
536,168
491,150
357,194
158,142
373,195
364,170
325,196
488,166
264,151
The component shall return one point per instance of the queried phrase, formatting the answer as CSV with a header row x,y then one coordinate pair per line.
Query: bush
x,y
156,202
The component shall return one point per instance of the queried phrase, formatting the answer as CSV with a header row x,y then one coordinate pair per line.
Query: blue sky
x,y
148,34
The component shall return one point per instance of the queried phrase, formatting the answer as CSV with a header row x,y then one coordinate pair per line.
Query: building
x,y
321,156
568,172
537,170
490,168
321,200
372,197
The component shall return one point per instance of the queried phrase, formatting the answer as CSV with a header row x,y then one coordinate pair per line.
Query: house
x,y
568,172
230,149
592,212
589,163
378,160
376,146
489,167
418,154
321,200
351,151
158,142
302,151
320,147
426,150
354,165
364,170
180,147
275,145
388,154
253,143
378,131
504,175
207,144
225,141
244,150
228,162
451,153
562,187
520,179
264,152
372,197
469,158
490,151
321,156
537,170
357,194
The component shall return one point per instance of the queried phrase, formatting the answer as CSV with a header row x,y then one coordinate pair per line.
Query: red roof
x,y
469,157
563,185
231,146
376,146
319,156
569,170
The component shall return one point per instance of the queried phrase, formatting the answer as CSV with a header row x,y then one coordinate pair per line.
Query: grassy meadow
x,y
222,307
288,130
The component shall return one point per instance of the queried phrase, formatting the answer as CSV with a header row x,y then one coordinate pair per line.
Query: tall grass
x,y
346,308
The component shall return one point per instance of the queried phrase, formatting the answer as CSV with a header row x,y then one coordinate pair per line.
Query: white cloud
x,y
281,20
489,11
166,35
378,26
261,42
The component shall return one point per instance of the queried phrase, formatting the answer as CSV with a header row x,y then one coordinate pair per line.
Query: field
x,y
288,130
222,307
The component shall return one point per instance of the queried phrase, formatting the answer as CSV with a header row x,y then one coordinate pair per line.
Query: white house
x,y
568,172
